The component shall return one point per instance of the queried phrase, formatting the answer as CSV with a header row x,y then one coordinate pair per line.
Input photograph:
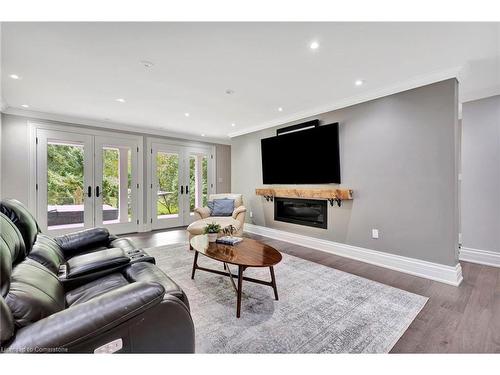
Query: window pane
x,y
167,174
198,181
65,191
192,183
110,185
204,179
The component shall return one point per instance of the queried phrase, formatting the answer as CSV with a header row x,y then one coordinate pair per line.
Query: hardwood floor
x,y
464,319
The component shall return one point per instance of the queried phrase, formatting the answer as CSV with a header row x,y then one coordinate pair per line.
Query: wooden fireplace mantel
x,y
331,195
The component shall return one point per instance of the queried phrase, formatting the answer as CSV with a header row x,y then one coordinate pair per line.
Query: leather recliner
x,y
76,257
134,309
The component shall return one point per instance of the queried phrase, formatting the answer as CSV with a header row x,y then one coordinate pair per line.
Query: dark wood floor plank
x,y
464,319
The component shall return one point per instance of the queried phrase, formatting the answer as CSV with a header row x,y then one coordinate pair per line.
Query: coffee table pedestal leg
x,y
273,282
195,264
240,283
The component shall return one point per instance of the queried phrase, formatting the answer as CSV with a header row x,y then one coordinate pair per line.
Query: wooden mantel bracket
x,y
331,195
337,200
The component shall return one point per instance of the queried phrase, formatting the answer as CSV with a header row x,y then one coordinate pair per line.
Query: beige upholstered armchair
x,y
202,216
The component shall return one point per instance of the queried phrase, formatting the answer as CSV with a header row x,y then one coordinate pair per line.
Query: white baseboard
x,y
445,274
488,258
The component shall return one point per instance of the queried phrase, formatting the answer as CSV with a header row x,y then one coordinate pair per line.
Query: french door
x,y
180,181
85,181
116,184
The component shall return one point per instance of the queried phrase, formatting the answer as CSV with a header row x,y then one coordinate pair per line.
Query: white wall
x,y
15,138
481,175
15,163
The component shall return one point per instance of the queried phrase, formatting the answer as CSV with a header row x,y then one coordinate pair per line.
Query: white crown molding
x,y
413,83
451,275
110,125
486,257
484,93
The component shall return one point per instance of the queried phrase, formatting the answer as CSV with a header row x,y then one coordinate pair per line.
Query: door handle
x,y
89,192
187,189
182,189
97,191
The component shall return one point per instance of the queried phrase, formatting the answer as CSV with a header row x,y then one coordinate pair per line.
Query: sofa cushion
x,y
197,227
6,322
23,220
13,239
95,288
123,243
84,240
47,252
147,272
223,207
34,293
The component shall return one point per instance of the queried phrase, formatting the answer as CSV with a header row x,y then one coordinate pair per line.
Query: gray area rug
x,y
320,309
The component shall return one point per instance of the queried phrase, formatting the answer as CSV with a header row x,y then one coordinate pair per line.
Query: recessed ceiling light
x,y
24,105
121,100
280,109
186,114
147,64
14,76
233,124
202,135
314,45
359,82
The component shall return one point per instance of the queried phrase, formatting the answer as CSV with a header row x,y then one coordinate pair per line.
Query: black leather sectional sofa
x,y
84,292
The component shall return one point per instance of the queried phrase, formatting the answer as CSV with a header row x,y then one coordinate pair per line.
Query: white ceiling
x,y
79,69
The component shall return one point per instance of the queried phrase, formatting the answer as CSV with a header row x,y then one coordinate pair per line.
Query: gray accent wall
x,y
481,174
400,156
223,168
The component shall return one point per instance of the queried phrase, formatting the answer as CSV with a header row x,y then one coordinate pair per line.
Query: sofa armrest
x,y
78,242
239,210
68,328
203,212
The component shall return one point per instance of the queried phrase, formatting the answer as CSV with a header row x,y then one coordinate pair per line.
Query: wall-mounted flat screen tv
x,y
302,157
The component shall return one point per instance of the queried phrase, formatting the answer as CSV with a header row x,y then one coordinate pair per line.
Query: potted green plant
x,y
212,230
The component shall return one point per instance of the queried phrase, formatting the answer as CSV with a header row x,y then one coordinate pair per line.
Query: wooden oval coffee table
x,y
248,253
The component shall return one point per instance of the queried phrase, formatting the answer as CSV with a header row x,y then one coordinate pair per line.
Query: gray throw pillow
x,y
223,207
210,205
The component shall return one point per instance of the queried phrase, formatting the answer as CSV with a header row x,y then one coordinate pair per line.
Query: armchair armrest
x,y
86,321
238,210
203,212
77,242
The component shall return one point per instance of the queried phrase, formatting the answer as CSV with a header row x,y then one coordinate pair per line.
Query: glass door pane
x,y
65,185
167,208
116,187
198,181
64,180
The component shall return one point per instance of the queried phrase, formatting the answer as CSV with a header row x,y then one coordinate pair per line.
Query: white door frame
x,y
187,145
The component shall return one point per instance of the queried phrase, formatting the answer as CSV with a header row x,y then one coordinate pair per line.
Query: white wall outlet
x,y
375,233
251,214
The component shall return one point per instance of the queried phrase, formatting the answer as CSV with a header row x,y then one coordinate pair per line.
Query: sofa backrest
x,y
238,198
11,249
22,218
29,290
